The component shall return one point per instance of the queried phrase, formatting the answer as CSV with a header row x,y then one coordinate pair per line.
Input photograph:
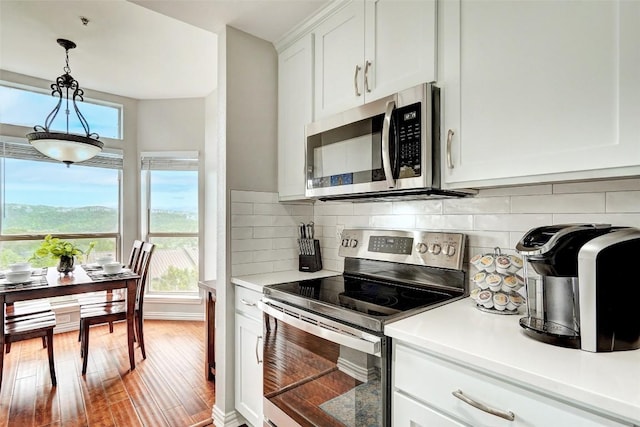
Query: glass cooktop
x,y
357,300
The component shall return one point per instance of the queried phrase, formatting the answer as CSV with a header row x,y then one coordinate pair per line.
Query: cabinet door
x,y
248,378
295,111
400,45
532,89
339,50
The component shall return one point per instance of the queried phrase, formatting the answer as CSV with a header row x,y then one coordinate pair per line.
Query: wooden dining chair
x,y
20,326
14,311
115,311
118,294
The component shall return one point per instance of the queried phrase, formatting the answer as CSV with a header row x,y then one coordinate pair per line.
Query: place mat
x,y
34,272
34,282
91,267
101,275
359,407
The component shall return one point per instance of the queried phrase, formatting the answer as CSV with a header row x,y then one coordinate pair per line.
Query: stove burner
x,y
381,300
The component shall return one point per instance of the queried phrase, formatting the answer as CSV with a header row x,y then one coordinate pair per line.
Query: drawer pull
x,y
507,415
245,302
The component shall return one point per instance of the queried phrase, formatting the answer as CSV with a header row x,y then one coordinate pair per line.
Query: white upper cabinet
x,y
369,49
295,111
539,91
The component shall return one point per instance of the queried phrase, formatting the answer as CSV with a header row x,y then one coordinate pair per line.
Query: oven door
x,y
321,373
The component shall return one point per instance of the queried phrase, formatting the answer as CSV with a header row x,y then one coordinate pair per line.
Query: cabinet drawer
x,y
246,300
408,412
432,381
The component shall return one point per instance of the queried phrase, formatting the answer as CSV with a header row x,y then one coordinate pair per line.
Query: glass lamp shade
x,y
65,147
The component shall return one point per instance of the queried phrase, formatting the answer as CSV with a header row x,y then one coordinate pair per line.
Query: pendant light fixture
x,y
66,147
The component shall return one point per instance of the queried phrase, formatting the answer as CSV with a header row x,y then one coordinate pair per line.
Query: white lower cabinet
x,y
423,395
248,356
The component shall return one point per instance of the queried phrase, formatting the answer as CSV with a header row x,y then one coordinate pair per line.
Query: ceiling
x,y
143,49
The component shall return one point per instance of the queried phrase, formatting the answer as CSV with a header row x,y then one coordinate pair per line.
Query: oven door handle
x,y
386,146
366,343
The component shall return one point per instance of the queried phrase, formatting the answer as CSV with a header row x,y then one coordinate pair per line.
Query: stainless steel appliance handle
x,y
386,153
258,360
449,137
367,64
245,302
507,415
355,80
365,342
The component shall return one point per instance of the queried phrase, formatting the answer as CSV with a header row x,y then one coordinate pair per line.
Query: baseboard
x,y
176,315
230,419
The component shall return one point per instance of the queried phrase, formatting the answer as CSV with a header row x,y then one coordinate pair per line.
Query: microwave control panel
x,y
408,122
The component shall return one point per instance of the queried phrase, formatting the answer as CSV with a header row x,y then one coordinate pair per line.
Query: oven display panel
x,y
391,245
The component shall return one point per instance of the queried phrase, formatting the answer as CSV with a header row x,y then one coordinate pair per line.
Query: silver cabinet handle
x,y
245,302
507,415
386,149
449,137
258,360
366,76
355,80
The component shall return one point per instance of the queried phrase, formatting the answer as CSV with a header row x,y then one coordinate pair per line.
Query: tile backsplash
x,y
264,231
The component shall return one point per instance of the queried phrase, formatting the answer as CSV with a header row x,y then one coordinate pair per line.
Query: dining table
x,y
48,283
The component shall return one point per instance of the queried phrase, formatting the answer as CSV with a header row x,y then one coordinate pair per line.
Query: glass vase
x,y
66,264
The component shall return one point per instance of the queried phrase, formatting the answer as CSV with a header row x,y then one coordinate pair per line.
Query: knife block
x,y
311,263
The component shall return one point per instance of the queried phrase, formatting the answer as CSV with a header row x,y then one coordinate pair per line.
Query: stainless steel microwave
x,y
388,147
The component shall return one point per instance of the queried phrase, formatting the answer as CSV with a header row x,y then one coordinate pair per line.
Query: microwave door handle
x,y
386,149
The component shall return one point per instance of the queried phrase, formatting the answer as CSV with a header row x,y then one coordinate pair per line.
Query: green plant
x,y
54,247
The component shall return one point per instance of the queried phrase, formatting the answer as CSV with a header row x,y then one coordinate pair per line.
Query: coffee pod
x,y
510,284
485,299
516,263
487,263
474,293
500,301
502,264
494,281
479,280
475,261
515,301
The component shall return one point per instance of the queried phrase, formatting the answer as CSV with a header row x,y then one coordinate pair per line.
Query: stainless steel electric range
x,y
326,359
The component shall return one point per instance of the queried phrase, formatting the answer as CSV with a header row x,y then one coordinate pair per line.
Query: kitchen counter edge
x,y
607,383
258,281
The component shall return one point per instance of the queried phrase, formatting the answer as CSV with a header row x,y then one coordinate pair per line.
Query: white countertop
x,y
606,382
257,281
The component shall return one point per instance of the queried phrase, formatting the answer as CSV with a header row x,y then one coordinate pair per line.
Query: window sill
x,y
173,299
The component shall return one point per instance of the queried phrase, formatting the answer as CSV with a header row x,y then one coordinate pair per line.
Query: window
x,y
171,220
40,196
28,107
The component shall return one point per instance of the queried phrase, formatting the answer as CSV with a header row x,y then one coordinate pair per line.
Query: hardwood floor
x,y
167,389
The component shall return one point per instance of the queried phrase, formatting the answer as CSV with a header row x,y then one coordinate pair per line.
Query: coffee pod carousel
x,y
495,282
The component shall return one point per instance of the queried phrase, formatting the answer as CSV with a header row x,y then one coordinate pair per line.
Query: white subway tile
x,y
524,190
623,202
285,243
418,207
252,268
598,186
512,222
274,232
242,208
477,205
392,221
241,258
359,221
274,255
374,208
621,219
487,239
253,196
305,210
334,265
332,208
285,221
285,265
324,220
559,203
251,220
241,233
444,222
270,209
250,245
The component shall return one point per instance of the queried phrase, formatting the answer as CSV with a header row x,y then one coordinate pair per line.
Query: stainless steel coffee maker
x,y
586,296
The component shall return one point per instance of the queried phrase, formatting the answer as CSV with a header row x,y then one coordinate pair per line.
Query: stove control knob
x,y
435,248
353,243
421,248
345,243
450,250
